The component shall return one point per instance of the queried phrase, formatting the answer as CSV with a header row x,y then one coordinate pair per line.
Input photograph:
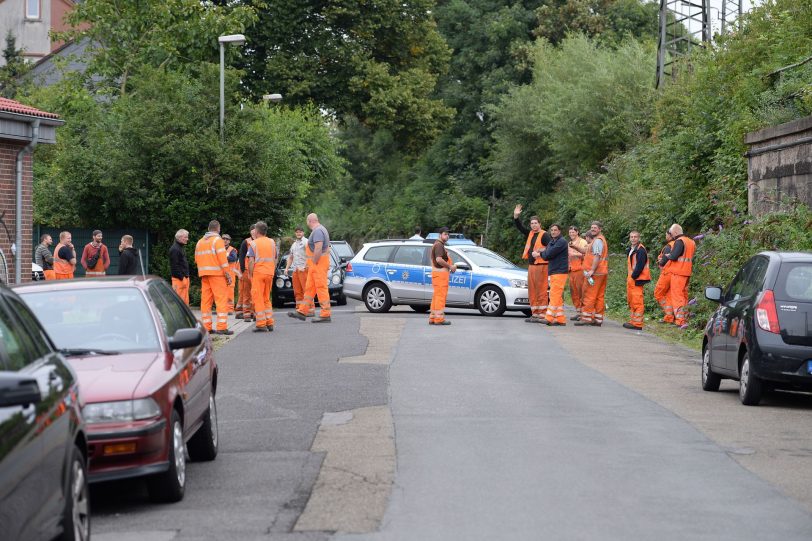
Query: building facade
x,y
31,22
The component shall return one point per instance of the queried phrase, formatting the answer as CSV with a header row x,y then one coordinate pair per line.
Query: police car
x,y
391,272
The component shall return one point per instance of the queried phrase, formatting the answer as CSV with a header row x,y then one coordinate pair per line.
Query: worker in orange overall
x,y
576,249
537,240
596,271
680,265
215,278
662,289
296,267
262,266
64,257
441,267
246,310
234,267
557,255
95,257
318,266
638,275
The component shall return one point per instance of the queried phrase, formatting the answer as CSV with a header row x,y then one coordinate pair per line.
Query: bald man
x,y
317,250
680,265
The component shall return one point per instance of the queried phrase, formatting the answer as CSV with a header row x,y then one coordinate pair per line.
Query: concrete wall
x,y
8,157
779,166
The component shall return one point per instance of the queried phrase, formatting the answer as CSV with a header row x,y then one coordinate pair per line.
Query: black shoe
x,y
445,322
545,322
321,320
297,315
630,326
582,323
596,324
575,318
259,329
239,316
532,320
269,328
557,324
227,332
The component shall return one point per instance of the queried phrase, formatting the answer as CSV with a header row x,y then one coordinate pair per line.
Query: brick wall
x,y
8,158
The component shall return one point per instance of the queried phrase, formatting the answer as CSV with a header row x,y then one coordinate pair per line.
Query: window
x,y
749,280
456,257
38,340
795,282
15,344
32,9
379,253
171,308
410,255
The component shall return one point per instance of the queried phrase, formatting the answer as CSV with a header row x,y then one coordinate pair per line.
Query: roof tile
x,y
12,106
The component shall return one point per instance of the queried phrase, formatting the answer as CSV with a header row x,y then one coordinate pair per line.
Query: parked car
x,y
146,371
37,273
454,239
282,291
43,449
761,334
342,249
393,272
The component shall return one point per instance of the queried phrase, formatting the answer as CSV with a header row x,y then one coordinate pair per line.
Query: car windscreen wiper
x,y
86,351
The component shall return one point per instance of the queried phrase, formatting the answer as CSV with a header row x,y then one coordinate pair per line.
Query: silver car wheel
x,y
745,375
81,507
180,453
490,301
376,298
705,365
213,420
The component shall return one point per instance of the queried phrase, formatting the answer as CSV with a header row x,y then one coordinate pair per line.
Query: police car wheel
x,y
490,301
377,298
420,308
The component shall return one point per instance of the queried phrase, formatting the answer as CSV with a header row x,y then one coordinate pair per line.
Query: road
x,y
379,427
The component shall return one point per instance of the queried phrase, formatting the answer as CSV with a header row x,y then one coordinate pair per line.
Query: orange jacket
x,y
210,256
537,247
631,263
61,266
264,256
235,266
589,258
684,265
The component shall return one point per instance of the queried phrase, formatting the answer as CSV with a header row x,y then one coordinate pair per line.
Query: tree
x,y
14,69
608,21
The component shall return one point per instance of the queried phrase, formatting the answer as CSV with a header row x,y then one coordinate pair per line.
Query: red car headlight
x,y
121,411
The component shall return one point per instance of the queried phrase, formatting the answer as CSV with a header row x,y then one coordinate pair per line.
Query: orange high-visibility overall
x,y
555,311
662,290
577,282
594,295
262,280
440,277
212,267
536,275
681,271
245,288
181,287
316,285
634,293
234,269
63,270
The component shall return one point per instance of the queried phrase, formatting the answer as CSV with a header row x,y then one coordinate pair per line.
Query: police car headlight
x,y
280,282
336,279
520,284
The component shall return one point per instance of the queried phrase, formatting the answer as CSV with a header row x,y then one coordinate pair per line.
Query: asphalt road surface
x,y
379,427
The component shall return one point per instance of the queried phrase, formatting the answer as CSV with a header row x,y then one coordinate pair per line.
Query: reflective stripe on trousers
x,y
439,286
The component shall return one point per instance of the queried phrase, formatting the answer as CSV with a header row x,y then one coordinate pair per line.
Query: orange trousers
x,y
245,295
261,285
316,286
60,276
555,311
635,298
577,290
235,286
214,288
439,285
537,288
594,296
181,287
662,294
299,280
679,296
50,274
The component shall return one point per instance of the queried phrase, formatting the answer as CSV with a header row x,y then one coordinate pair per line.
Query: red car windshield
x,y
110,319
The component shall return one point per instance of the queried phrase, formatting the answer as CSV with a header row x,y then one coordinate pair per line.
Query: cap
x,y
442,230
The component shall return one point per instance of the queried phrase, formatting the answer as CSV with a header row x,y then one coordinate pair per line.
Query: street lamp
x,y
237,39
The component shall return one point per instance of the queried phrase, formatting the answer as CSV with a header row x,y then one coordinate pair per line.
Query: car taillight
x,y
349,267
766,314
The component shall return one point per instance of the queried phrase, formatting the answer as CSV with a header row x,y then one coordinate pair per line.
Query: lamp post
x,y
238,39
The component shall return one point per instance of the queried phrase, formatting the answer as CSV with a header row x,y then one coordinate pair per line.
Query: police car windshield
x,y
485,258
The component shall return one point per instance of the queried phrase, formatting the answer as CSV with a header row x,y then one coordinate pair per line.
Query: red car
x,y
146,374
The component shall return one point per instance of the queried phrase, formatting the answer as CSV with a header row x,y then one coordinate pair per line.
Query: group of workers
x,y
95,259
251,270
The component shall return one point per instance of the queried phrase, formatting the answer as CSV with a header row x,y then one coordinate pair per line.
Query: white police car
x,y
391,272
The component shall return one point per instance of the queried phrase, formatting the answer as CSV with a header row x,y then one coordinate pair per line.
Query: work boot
x,y
312,313
259,329
239,316
558,324
227,332
322,320
575,318
297,315
269,328
582,323
444,322
630,326
532,319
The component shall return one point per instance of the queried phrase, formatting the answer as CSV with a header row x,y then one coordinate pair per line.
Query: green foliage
x,y
14,69
152,159
125,36
609,21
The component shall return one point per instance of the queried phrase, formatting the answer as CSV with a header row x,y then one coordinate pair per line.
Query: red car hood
x,y
107,378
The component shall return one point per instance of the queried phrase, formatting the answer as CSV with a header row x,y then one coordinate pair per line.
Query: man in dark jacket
x,y
128,260
637,277
179,265
557,256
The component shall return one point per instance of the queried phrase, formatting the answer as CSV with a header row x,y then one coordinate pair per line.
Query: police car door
x,y
459,283
405,274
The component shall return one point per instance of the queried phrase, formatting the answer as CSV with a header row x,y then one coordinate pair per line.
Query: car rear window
x,y
795,282
379,253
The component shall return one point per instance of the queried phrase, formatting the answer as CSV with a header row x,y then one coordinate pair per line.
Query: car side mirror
x,y
18,390
713,293
343,263
462,266
344,258
186,338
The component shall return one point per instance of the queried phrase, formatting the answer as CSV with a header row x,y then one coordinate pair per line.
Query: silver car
x,y
393,272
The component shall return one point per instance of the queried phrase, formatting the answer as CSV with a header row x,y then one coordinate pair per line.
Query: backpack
x,y
94,259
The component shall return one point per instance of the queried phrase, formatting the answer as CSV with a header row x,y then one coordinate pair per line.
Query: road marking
x,y
383,335
158,535
353,487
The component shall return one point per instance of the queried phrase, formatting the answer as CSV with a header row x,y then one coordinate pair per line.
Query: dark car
x,y
282,291
43,449
146,371
761,334
342,249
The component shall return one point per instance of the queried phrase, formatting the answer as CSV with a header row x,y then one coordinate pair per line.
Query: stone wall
x,y
779,166
8,158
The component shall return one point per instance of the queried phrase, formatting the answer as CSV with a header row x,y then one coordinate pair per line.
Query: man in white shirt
x,y
417,234
297,260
